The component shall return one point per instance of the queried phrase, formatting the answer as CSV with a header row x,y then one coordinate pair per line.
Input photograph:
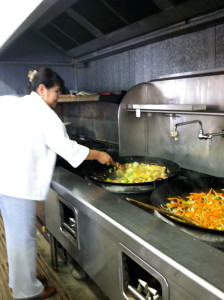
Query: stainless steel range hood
x,y
89,29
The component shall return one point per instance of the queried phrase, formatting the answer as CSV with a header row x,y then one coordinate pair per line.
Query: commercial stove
x,y
131,252
122,247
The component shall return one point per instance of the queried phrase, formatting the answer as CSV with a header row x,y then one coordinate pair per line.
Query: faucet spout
x,y
188,122
174,133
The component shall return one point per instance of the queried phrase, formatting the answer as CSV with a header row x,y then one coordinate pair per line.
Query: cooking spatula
x,y
166,212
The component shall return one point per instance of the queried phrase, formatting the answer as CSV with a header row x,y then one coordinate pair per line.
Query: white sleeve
x,y
57,139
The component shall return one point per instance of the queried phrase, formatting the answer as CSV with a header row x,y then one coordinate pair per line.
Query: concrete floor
x,y
84,289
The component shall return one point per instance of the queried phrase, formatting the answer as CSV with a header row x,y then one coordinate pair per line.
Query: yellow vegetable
x,y
138,173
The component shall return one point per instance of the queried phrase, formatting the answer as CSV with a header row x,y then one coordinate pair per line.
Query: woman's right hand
x,y
102,157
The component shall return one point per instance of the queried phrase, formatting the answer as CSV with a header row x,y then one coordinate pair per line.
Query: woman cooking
x,y
31,136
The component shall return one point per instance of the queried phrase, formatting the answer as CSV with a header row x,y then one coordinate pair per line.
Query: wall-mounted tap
x,y
174,133
201,135
205,136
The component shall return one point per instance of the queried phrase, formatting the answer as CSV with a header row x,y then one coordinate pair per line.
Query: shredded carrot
x,y
206,208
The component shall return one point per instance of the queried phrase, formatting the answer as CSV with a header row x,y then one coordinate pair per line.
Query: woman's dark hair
x,y
44,76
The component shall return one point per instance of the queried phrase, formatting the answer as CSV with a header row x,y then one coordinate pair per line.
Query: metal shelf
x,y
71,98
173,109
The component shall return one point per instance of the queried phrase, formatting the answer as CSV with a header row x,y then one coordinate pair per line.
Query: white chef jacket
x,y
31,134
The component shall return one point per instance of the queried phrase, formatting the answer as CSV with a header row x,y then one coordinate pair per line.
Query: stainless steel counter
x,y
109,227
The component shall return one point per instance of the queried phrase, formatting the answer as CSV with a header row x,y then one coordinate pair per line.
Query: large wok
x,y
182,188
98,175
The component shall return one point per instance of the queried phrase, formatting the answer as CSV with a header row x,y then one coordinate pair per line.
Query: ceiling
x,y
89,29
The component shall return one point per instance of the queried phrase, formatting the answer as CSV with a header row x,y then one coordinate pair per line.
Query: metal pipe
x,y
186,123
135,293
53,249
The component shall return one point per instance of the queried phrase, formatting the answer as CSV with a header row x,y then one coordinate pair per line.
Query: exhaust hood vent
x,y
110,15
89,29
102,18
66,32
57,37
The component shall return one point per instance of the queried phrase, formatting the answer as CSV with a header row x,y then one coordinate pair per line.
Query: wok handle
x,y
163,211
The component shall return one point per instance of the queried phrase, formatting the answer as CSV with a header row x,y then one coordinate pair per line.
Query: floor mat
x,y
42,268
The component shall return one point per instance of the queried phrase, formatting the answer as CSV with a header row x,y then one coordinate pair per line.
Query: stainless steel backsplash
x,y
149,134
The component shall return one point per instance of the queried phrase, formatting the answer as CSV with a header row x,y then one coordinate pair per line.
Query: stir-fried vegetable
x,y
206,208
138,172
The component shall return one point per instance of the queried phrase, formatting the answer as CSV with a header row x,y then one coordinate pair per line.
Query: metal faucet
x,y
174,133
201,135
206,136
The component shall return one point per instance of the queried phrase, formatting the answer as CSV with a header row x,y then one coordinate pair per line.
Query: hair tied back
x,y
31,75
